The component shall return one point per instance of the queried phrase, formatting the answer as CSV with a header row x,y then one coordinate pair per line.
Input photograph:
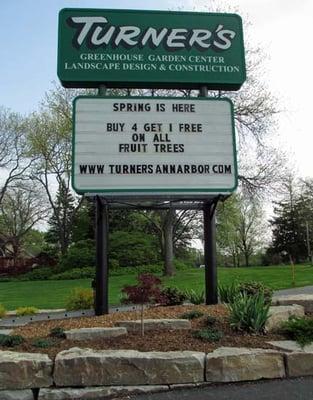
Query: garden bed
x,y
152,341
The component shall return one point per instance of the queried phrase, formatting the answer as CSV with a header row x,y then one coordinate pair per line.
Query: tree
x,y
146,291
174,231
292,221
21,208
251,228
60,224
241,228
227,221
14,157
49,139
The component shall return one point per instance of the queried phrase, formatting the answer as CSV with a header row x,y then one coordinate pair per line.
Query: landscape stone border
x,y
305,300
88,373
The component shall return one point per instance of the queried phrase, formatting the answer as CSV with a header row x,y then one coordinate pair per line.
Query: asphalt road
x,y
295,389
300,290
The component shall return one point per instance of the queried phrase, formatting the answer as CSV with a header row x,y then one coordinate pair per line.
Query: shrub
x,y
2,311
133,248
227,293
57,332
21,311
181,265
210,320
192,314
299,329
11,340
208,335
253,288
80,255
75,273
195,297
141,269
249,313
172,296
79,299
37,274
42,343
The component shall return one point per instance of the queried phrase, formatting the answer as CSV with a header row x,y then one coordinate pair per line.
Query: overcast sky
x,y
283,28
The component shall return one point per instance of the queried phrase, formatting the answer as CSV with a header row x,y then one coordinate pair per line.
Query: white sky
x,y
283,28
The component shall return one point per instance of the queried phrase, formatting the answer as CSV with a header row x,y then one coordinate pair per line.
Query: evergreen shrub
x,y
171,296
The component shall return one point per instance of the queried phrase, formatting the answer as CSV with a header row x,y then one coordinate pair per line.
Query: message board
x,y
140,145
151,49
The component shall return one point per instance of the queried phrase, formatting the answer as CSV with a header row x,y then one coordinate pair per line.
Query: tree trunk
x,y
247,257
142,323
15,251
169,269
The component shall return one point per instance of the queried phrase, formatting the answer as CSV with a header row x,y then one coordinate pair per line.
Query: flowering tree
x,y
146,291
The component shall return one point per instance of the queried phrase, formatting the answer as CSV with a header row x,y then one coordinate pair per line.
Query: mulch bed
x,y
152,341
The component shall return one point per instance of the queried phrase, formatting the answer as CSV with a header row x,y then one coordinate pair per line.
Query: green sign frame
x,y
150,49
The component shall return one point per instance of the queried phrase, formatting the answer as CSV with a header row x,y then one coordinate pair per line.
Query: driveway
x,y
295,389
300,290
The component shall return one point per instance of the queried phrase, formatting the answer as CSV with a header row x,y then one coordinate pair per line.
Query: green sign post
x,y
150,49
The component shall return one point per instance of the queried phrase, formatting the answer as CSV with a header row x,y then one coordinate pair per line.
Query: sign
x,y
150,49
161,146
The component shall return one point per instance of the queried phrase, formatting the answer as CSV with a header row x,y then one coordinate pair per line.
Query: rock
x,y
291,345
16,395
87,367
153,324
97,392
305,300
280,314
24,370
299,364
94,333
228,364
6,331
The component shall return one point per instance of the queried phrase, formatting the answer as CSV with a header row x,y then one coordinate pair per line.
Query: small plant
x,y
227,293
2,311
252,288
57,332
11,340
21,311
195,297
42,343
210,320
146,291
208,335
79,299
249,313
192,314
172,296
299,329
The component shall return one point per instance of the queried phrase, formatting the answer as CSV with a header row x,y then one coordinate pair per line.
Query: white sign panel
x,y
141,145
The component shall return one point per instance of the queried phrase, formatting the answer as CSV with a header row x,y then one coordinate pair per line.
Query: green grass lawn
x,y
52,294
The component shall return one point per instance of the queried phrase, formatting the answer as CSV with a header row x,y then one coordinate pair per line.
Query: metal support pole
x,y
102,90
211,296
102,264
102,239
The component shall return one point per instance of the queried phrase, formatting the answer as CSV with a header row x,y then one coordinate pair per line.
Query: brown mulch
x,y
152,341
